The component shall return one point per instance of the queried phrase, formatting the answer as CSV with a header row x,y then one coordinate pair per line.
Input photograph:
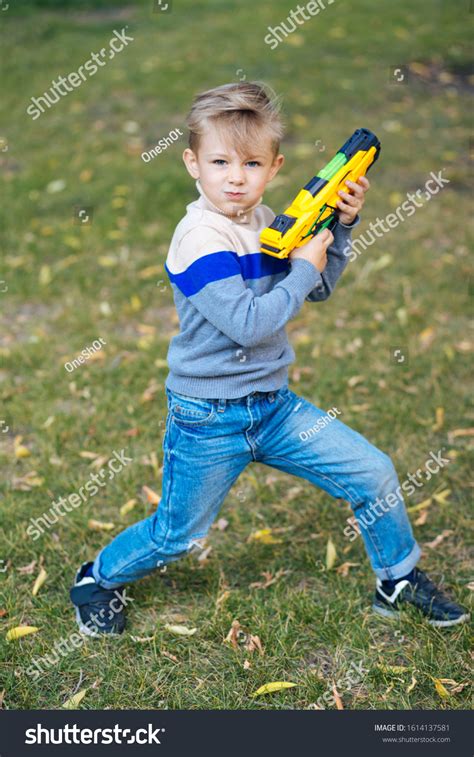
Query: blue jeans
x,y
209,442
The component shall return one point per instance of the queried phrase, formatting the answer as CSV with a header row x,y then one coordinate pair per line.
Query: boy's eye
x,y
218,160
255,162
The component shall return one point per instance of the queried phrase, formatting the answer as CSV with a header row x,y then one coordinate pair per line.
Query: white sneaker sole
x,y
393,614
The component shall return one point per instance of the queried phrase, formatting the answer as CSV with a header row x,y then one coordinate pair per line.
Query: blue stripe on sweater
x,y
222,265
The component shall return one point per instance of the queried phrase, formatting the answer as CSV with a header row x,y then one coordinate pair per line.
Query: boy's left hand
x,y
351,204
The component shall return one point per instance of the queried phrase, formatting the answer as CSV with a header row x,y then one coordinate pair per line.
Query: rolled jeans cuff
x,y
401,568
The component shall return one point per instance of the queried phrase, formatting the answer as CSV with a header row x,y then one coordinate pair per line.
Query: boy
x,y
228,399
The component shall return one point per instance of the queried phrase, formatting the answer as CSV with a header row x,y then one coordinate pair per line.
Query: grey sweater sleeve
x,y
338,258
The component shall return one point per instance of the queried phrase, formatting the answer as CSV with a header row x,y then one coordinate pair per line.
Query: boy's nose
x,y
236,176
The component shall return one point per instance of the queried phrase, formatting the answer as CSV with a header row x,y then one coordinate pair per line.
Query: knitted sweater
x,y
233,301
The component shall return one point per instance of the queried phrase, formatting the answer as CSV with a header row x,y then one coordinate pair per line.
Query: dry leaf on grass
x,y
421,520
202,557
337,698
27,482
459,432
27,569
169,655
343,569
441,537
222,598
152,497
232,636
222,524
252,643
269,579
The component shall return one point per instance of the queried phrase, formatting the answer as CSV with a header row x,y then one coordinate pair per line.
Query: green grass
x,y
70,284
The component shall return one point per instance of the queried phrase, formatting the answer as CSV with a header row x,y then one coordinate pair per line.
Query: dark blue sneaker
x,y
422,593
98,610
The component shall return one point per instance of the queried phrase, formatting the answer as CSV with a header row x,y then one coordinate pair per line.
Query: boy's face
x,y
232,183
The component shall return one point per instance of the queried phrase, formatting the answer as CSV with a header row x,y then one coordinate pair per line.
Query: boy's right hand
x,y
315,250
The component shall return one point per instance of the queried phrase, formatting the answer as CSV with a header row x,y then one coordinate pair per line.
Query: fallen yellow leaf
x,y
444,694
331,554
97,525
442,496
72,703
439,419
180,630
40,579
421,506
268,688
412,685
127,507
426,337
19,631
265,536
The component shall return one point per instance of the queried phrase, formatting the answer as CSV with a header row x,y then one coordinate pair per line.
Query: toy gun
x,y
314,207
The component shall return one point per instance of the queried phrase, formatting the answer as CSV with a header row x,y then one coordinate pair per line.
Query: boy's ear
x,y
276,165
190,162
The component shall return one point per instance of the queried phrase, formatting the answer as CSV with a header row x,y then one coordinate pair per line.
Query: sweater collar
x,y
206,203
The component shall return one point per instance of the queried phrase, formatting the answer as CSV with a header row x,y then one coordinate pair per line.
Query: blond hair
x,y
244,114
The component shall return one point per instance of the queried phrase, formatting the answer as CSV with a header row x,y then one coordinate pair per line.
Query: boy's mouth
x,y
234,195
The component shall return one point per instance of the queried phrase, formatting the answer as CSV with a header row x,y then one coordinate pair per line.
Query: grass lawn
x,y
65,283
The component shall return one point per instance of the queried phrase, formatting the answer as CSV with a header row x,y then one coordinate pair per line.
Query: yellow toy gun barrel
x,y
314,208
